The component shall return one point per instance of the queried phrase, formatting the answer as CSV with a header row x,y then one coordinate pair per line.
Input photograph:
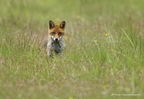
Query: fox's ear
x,y
62,25
51,24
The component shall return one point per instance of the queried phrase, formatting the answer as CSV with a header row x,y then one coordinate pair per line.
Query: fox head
x,y
56,31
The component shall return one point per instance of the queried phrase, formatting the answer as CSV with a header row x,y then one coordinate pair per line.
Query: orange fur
x,y
55,31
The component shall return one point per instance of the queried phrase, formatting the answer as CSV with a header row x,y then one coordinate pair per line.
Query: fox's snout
x,y
56,39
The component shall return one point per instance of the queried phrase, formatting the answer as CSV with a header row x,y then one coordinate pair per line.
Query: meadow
x,y
104,54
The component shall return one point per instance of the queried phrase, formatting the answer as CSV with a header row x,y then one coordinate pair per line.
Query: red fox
x,y
55,41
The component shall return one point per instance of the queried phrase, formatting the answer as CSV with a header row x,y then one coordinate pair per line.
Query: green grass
x,y
104,55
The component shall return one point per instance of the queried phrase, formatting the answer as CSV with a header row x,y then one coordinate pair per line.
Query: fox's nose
x,y
56,39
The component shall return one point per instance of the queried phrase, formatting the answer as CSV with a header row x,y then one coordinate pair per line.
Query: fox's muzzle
x,y
57,39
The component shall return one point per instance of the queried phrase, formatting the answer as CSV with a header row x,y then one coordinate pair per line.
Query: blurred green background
x,y
104,55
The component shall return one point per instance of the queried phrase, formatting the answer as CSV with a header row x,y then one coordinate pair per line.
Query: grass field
x,y
104,55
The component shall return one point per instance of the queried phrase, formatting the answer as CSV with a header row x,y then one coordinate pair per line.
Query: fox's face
x,y
56,31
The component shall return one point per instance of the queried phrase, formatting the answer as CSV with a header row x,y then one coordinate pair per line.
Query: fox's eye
x,y
59,33
53,32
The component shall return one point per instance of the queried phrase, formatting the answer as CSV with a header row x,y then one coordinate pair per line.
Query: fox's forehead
x,y
57,28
